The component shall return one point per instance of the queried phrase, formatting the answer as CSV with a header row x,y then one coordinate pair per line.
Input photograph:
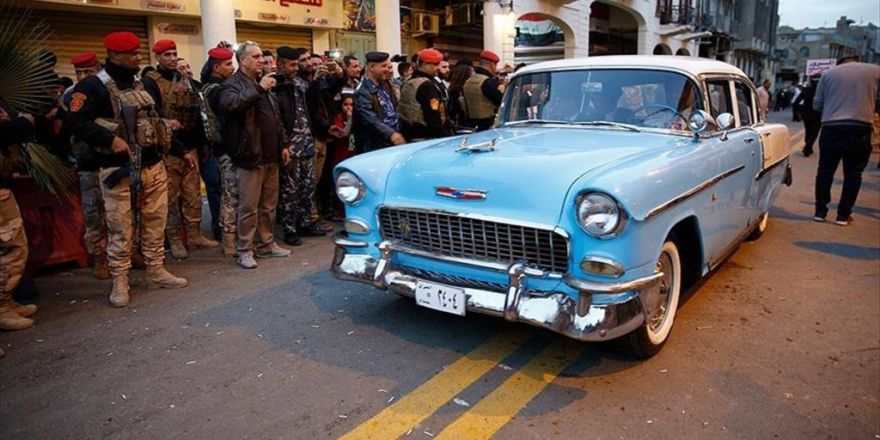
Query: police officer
x,y
95,118
176,97
483,92
218,69
376,124
423,103
91,201
14,129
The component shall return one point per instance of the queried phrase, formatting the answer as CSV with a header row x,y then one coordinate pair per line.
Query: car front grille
x,y
452,235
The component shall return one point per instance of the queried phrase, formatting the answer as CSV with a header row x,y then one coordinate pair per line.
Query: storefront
x,y
270,37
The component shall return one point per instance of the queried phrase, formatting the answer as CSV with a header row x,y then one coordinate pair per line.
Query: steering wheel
x,y
662,108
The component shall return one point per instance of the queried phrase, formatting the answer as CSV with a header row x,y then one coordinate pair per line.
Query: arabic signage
x,y
162,5
178,29
820,66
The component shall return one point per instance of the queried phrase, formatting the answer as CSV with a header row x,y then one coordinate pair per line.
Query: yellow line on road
x,y
420,403
495,410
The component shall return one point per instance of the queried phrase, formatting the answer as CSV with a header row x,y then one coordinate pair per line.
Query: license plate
x,y
439,297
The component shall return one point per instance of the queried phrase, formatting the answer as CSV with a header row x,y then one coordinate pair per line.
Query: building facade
x,y
796,46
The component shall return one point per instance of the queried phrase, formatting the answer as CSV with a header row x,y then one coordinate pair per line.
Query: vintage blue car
x,y
607,187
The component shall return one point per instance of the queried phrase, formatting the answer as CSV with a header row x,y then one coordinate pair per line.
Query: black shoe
x,y
313,230
292,239
844,221
808,153
819,217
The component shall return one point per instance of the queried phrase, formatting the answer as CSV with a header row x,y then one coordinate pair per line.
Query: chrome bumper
x,y
601,312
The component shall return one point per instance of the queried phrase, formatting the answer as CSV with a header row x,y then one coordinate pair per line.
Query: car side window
x,y
719,97
744,103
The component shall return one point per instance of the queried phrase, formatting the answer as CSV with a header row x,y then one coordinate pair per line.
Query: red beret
x,y
163,45
220,53
489,56
430,56
121,42
83,60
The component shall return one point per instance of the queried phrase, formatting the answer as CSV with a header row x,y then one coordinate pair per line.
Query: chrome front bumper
x,y
602,311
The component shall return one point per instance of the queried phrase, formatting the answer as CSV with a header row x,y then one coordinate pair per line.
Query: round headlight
x,y
598,214
349,188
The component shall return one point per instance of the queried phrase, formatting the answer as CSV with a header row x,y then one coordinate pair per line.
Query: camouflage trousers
x,y
13,246
153,203
229,196
92,205
297,191
319,159
184,195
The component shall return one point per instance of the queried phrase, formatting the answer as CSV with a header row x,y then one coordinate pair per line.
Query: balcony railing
x,y
676,12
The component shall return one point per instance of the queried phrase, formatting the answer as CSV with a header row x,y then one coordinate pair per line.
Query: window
x,y
719,97
805,52
744,103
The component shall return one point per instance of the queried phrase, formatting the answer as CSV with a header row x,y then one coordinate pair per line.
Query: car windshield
x,y
617,98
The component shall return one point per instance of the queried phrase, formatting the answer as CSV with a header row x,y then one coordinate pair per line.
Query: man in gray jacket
x,y
255,139
845,97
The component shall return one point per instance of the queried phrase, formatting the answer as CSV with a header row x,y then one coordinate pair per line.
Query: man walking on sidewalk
x,y
812,118
845,96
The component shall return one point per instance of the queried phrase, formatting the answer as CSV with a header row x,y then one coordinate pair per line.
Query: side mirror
x,y
699,122
725,121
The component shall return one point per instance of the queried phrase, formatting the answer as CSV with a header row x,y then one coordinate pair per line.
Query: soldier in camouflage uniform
x,y
99,98
217,69
14,129
297,180
176,97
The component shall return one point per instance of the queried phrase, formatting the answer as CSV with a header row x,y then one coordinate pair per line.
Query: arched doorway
x,y
540,37
683,51
613,30
662,49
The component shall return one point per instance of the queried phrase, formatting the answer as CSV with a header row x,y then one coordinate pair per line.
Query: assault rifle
x,y
133,171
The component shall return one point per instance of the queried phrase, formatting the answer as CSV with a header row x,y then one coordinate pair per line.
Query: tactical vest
x,y
179,100
477,104
151,130
210,120
409,110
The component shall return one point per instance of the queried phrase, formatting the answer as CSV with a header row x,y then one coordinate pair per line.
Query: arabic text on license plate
x,y
439,297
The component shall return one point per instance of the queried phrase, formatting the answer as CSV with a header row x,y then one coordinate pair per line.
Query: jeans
x,y
210,170
852,145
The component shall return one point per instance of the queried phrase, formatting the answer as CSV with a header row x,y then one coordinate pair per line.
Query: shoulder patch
x,y
77,100
435,104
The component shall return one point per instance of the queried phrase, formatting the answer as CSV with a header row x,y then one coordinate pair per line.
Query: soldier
x,y
176,97
14,129
376,124
218,69
483,92
298,180
95,117
91,202
423,103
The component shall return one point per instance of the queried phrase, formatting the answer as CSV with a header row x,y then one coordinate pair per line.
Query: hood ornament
x,y
460,194
483,147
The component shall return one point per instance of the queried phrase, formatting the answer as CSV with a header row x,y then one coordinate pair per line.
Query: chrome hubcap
x,y
661,297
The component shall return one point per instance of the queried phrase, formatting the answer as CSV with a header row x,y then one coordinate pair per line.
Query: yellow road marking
x,y
495,410
420,403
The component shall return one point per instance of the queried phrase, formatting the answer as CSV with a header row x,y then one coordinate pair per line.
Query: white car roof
x,y
691,65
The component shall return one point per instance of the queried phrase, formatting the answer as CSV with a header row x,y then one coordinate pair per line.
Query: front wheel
x,y
660,303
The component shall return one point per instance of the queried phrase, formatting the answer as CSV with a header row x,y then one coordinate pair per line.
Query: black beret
x,y
268,53
376,57
287,53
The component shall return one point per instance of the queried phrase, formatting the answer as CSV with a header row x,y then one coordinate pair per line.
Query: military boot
x,y
228,244
10,320
158,277
178,250
101,270
119,295
24,309
195,238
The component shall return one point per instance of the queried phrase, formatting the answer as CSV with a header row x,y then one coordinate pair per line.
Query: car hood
x,y
526,177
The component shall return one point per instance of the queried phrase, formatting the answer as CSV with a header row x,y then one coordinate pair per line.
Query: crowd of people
x,y
262,136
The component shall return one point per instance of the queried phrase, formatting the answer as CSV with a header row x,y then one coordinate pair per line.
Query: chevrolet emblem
x,y
460,194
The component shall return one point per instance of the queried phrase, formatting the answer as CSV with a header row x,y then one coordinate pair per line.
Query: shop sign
x,y
178,29
162,5
318,21
274,18
95,2
287,3
820,66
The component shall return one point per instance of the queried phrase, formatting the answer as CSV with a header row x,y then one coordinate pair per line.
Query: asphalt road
x,y
783,341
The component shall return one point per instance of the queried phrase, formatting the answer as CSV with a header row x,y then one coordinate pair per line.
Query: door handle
x,y
750,140
767,134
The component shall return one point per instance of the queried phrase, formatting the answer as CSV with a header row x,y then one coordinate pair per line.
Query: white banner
x,y
820,66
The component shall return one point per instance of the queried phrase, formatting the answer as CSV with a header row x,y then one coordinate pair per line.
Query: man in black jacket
x,y
254,136
376,124
812,119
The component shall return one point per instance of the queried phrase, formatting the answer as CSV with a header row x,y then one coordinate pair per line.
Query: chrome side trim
x,y
693,191
763,172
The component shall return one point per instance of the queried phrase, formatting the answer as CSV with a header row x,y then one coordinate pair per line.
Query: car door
x,y
774,153
737,151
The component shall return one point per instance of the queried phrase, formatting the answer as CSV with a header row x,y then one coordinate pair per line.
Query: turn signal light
x,y
353,226
601,267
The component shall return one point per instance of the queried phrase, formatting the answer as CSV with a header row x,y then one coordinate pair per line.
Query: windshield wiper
x,y
629,127
534,121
